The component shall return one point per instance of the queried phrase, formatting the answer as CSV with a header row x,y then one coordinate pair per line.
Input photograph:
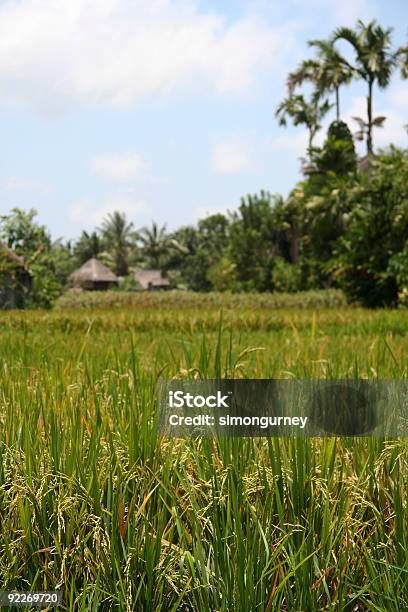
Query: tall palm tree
x,y
374,62
310,114
154,242
118,235
332,72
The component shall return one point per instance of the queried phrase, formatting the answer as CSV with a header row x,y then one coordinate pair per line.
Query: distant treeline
x,y
340,229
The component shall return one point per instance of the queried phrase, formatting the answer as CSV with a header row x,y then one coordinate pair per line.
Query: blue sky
x,y
162,109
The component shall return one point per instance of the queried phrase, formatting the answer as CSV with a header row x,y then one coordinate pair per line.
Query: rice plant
x,y
94,503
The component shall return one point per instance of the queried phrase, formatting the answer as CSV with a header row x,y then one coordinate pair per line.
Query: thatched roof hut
x,y
152,280
15,279
94,276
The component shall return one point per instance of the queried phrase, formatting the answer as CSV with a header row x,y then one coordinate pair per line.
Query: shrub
x,y
368,268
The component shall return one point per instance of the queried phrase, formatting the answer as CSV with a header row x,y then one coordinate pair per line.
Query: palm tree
x,y
402,55
305,113
87,246
308,70
154,244
118,235
333,71
374,63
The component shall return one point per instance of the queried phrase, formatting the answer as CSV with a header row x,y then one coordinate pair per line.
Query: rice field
x,y
94,503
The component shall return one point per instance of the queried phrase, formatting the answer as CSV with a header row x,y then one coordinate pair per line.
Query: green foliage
x,y
213,233
320,210
338,155
374,62
117,235
154,244
15,283
46,287
303,112
128,283
88,246
398,268
286,277
196,252
195,270
251,246
369,267
20,232
47,263
222,275
333,72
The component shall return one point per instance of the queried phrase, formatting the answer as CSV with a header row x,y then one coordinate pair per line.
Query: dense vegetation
x,y
93,502
344,225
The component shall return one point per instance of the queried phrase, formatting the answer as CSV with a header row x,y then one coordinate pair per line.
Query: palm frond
x,y
379,121
362,124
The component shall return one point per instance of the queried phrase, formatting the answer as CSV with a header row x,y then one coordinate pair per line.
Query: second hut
x,y
93,275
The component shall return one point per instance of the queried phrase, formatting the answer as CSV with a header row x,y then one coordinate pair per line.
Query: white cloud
x,y
120,167
59,53
16,184
90,212
231,157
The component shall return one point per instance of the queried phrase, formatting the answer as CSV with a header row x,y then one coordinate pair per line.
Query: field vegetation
x,y
93,502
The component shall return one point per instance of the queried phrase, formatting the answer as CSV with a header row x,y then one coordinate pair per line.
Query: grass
x,y
94,503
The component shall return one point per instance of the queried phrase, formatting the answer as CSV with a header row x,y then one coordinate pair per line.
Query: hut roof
x,y
151,278
94,271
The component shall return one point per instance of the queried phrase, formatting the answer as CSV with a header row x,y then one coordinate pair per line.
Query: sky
x,y
163,109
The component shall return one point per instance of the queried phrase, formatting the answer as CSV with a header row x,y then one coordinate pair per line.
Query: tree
x,y
305,113
370,258
374,62
22,234
252,245
118,236
332,71
308,71
154,244
213,234
87,246
63,261
20,231
402,58
338,155
196,252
